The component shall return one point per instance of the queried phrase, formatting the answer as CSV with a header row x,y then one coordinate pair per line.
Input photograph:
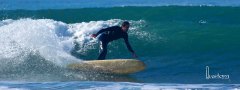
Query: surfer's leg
x,y
103,53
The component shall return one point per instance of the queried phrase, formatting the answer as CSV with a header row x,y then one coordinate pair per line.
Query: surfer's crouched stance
x,y
113,33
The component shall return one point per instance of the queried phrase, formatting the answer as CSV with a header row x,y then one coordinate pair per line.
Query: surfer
x,y
113,33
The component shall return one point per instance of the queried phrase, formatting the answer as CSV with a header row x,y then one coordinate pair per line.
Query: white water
x,y
21,37
114,85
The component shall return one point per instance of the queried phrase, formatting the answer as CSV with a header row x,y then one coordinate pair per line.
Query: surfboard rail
x,y
111,66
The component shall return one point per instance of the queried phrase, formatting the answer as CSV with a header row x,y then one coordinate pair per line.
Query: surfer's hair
x,y
125,23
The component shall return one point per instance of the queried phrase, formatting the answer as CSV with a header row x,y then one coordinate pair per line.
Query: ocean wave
x,y
32,48
64,4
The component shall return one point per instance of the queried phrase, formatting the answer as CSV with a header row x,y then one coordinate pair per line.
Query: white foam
x,y
8,88
26,36
149,86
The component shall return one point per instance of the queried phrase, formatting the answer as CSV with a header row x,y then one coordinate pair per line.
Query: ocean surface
x,y
185,46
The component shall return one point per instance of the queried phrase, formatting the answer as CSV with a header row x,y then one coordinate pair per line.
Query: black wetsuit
x,y
109,34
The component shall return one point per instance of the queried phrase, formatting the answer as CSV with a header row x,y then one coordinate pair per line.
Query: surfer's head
x,y
125,26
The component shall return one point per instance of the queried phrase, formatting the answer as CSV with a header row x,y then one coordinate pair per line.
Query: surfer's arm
x,y
104,30
128,44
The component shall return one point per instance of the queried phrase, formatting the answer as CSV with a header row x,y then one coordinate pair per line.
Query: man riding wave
x,y
110,34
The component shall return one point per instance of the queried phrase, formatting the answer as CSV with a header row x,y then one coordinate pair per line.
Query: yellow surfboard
x,y
111,66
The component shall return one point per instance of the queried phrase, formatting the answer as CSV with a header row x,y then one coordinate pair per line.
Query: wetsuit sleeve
x,y
127,44
104,30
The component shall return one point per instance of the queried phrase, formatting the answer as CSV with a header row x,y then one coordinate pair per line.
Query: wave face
x,y
176,43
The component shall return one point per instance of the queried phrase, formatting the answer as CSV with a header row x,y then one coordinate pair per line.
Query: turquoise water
x,y
177,43
63,4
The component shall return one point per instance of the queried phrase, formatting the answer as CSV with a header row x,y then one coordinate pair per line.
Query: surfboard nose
x,y
135,66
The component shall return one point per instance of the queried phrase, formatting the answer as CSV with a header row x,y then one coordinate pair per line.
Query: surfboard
x,y
111,66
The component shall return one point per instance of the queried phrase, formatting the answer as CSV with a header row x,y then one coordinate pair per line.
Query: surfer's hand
x,y
134,55
94,35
